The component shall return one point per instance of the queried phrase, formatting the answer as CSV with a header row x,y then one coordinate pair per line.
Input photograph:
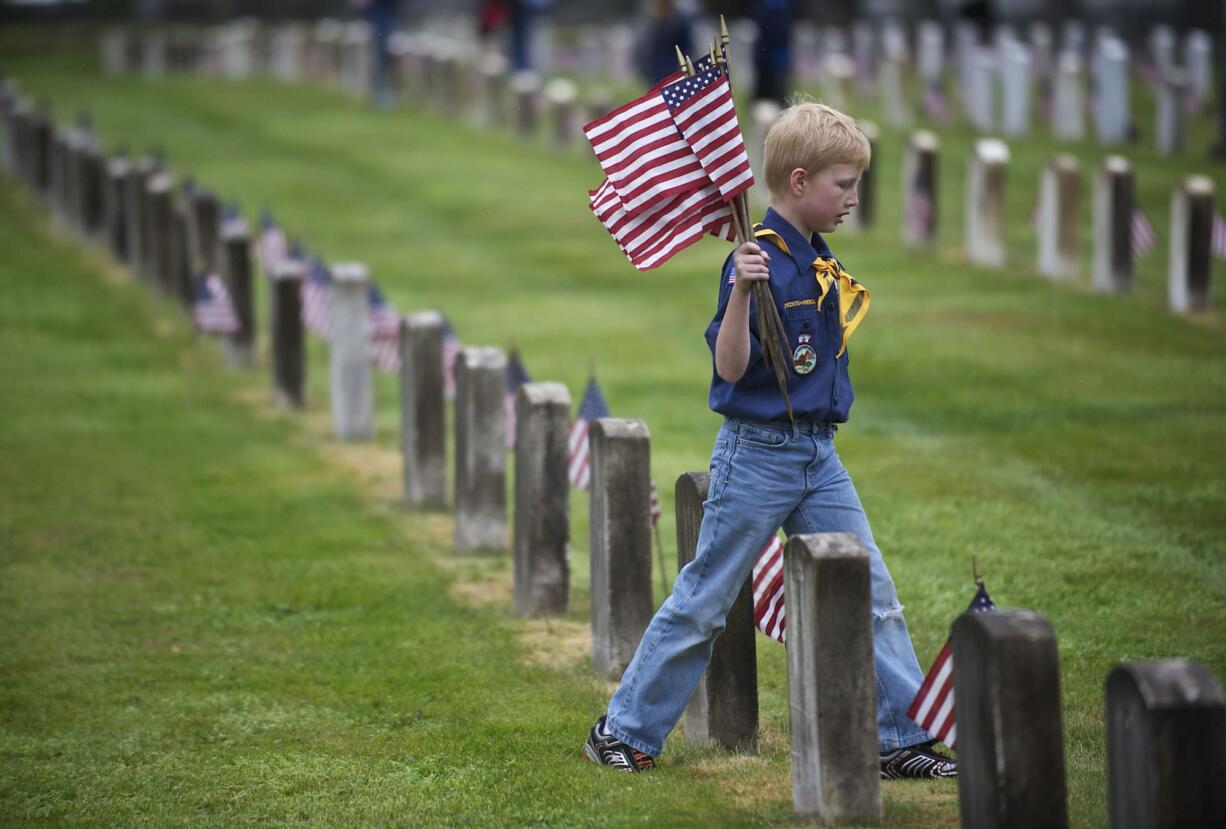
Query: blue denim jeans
x,y
763,476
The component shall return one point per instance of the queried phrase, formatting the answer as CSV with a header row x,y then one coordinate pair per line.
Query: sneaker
x,y
918,762
605,749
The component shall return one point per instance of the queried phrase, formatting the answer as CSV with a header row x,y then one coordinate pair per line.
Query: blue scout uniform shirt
x,y
825,392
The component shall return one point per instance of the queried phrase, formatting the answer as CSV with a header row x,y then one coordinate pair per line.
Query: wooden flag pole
x,y
770,326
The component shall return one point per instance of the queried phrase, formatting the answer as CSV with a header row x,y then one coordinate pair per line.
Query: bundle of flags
x,y
593,407
673,159
933,707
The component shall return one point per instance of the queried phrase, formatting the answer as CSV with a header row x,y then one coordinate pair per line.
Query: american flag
x,y
768,590
316,298
592,407
273,247
1143,236
935,105
704,112
933,707
642,153
451,351
517,375
384,330
655,504
1217,238
212,310
651,238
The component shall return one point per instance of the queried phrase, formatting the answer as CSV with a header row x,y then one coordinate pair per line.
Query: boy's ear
x,y
797,180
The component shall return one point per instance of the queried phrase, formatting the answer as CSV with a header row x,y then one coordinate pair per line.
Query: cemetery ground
x,y
216,613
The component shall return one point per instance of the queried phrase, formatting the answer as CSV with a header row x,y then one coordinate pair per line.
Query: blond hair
x,y
811,136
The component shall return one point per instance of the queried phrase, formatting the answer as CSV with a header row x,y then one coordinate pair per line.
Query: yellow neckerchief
x,y
854,298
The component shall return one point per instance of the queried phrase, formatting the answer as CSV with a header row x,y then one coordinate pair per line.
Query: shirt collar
x,y
803,250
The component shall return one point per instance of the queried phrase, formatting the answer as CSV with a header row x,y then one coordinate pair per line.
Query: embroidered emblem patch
x,y
804,358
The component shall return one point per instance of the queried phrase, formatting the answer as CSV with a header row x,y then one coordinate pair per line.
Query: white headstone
x,y
1060,218
1198,61
985,203
981,106
1015,89
920,189
1068,100
762,115
892,84
1162,48
838,82
930,52
1191,262
864,45
1169,134
1111,112
1113,205
806,45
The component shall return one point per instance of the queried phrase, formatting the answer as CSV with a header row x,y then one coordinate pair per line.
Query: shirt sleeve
x,y
726,282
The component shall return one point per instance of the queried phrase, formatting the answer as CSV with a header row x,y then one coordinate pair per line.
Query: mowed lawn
x,y
210,620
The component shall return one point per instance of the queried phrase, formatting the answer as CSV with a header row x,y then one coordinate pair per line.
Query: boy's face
x,y
823,199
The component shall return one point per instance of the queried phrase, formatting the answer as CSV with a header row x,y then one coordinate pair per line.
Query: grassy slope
x,y
1072,441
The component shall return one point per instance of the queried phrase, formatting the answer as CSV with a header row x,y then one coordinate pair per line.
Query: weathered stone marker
x,y
831,679
139,173
1166,746
1016,75
480,450
1191,262
160,197
423,426
542,499
205,224
235,268
560,95
723,709
620,547
920,189
1111,110
985,203
1113,205
526,93
114,209
494,84
352,389
1010,749
1060,218
288,357
183,266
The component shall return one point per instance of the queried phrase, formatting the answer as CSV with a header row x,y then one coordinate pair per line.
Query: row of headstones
x,y
1058,218
1164,719
1000,83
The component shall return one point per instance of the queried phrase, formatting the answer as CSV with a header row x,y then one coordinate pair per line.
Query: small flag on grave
x,y
933,707
592,407
1217,236
273,247
384,330
1143,236
451,351
316,297
768,590
212,310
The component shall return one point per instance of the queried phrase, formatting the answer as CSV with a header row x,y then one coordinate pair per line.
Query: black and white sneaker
x,y
918,762
605,749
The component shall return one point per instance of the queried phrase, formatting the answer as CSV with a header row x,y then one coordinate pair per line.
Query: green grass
x,y
210,623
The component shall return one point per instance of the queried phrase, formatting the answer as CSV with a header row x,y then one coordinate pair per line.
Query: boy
x,y
767,472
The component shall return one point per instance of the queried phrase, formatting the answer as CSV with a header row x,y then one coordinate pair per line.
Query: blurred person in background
x,y
668,25
772,57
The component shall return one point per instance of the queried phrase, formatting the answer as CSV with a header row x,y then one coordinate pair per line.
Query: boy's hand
x,y
749,265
